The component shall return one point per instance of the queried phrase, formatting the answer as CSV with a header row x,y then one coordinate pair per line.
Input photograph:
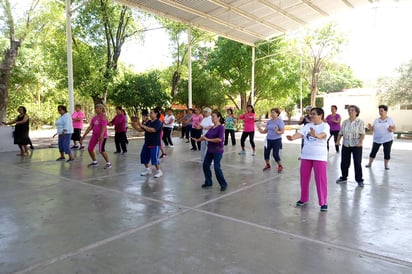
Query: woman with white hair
x,y
205,124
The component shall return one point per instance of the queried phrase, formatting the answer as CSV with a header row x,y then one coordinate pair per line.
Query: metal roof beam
x,y
248,15
283,12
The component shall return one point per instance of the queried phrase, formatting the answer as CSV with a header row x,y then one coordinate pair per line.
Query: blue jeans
x,y
64,143
216,158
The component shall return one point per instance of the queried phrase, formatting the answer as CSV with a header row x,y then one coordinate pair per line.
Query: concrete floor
x,y
57,217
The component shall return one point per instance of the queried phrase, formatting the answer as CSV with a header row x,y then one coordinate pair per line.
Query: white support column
x,y
189,40
253,76
69,55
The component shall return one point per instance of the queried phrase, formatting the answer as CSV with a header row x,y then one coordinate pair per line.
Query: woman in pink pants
x,y
314,156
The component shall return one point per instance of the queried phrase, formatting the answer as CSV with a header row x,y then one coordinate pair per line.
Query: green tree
x,y
320,45
397,90
139,91
207,89
16,30
104,26
276,70
336,77
179,48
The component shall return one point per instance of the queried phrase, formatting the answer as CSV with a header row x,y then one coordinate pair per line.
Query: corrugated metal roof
x,y
248,21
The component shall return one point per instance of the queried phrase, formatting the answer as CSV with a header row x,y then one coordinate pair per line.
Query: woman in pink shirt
x,y
99,136
196,132
119,123
77,119
248,129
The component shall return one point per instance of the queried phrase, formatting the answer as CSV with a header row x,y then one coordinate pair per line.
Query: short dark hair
x,y
334,106
357,109
385,107
61,107
277,110
319,111
157,111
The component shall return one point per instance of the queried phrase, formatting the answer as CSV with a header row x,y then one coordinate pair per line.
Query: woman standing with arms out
x,y
119,123
197,117
248,129
214,138
274,129
77,120
150,150
383,129
333,121
314,156
353,133
64,130
230,123
99,136
21,131
168,128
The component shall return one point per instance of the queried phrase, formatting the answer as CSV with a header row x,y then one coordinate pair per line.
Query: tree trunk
x,y
314,86
10,56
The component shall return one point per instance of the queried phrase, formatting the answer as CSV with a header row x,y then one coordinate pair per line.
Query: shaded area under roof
x,y
248,21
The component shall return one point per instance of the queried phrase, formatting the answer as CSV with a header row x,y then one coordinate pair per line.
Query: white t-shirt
x,y
206,123
380,130
167,121
314,148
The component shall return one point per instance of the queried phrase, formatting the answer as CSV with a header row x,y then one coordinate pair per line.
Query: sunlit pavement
x,y
58,217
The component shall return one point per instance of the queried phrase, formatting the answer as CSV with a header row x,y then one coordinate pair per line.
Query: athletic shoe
x,y
300,203
206,186
324,208
108,166
146,172
158,174
116,152
341,180
93,164
280,168
70,160
74,147
253,153
60,159
266,167
124,152
242,152
360,184
164,155
171,146
81,147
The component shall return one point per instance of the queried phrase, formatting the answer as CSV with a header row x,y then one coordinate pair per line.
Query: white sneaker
x,y
146,172
158,173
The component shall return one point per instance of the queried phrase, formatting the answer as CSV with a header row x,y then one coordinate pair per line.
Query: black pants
x,y
232,136
251,139
334,134
167,139
120,141
357,160
196,133
386,150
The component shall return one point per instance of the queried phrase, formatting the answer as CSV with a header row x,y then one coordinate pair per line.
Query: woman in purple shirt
x,y
334,124
215,144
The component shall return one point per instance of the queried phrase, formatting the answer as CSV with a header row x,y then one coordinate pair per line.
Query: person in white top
x,y
65,130
314,156
206,124
383,129
168,128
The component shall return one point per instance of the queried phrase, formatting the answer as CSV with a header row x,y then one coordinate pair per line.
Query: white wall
x,y
368,102
6,139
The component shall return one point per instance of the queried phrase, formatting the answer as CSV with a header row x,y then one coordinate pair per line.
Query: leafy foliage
x,y
136,92
397,90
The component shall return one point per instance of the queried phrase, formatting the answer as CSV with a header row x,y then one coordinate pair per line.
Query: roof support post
x,y
69,55
189,40
253,76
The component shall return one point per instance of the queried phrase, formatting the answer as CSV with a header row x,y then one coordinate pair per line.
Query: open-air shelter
x,y
247,21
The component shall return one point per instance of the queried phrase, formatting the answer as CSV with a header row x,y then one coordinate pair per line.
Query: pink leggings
x,y
321,180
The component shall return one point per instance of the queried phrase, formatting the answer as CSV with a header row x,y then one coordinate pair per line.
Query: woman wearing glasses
x,y
314,156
